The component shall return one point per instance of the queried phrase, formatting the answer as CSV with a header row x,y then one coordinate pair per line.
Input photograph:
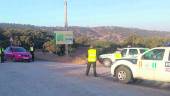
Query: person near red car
x,y
2,54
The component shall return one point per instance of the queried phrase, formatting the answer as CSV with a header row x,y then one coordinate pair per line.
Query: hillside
x,y
107,33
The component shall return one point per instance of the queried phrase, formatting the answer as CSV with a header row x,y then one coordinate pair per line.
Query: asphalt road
x,y
43,78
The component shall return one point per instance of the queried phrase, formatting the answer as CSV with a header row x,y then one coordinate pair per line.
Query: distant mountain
x,y
109,33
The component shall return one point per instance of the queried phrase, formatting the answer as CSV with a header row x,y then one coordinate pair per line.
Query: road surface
x,y
42,78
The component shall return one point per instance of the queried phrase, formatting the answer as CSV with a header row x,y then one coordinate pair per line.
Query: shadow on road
x,y
144,83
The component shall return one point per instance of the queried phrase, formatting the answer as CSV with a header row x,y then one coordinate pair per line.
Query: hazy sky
x,y
147,14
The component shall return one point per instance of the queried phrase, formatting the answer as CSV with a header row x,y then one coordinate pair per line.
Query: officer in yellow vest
x,y
32,52
117,55
92,58
2,54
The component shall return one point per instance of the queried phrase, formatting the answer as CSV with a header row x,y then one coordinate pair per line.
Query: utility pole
x,y
66,25
11,40
65,15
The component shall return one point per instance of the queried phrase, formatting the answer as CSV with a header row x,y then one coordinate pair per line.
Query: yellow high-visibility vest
x,y
117,55
92,55
0,50
31,49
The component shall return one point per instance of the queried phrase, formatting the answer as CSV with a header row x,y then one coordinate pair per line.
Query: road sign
x,y
64,37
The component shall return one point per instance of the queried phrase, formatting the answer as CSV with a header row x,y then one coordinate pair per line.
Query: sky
x,y
144,14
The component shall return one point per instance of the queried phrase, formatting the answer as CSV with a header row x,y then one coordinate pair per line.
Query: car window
x,y
8,49
156,54
124,52
133,51
142,50
18,50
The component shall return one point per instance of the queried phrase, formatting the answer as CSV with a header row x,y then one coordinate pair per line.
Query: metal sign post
x,y
11,40
66,25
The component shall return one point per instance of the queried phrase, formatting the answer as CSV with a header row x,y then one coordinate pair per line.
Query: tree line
x,y
43,39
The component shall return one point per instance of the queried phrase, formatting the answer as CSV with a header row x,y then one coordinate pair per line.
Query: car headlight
x,y
19,55
100,56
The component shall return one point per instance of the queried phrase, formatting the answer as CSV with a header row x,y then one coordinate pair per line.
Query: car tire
x,y
13,59
137,80
29,60
124,75
107,62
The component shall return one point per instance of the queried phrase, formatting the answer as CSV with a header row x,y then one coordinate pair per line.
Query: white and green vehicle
x,y
108,59
153,64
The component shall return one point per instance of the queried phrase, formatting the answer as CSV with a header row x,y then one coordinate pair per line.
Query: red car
x,y
17,54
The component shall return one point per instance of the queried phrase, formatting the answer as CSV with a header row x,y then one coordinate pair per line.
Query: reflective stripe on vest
x,y
92,55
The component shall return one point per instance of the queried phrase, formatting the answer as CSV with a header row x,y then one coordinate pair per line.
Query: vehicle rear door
x,y
162,71
149,63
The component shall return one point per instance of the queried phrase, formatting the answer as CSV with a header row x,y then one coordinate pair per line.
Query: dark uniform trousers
x,y
32,53
88,68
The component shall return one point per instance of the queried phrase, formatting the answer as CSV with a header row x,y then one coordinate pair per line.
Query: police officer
x,y
117,55
32,52
2,55
92,58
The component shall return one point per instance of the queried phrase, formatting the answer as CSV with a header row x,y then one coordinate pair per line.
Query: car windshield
x,y
18,50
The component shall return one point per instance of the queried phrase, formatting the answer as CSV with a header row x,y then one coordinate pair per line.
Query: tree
x,y
50,46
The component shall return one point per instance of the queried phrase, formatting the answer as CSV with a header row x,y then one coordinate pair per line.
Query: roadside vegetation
x,y
44,40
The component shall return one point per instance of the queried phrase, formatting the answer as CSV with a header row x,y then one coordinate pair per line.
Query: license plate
x,y
25,58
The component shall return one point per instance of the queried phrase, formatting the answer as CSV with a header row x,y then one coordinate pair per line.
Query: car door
x,y
149,62
162,71
8,53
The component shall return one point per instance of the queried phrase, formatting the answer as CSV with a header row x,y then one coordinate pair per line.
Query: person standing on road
x,y
92,58
32,52
117,55
2,54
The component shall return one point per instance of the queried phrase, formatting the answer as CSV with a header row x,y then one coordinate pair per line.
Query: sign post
x,y
64,38
11,40
66,25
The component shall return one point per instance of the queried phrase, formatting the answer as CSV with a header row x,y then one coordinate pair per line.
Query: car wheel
x,y
137,80
124,75
107,62
13,59
29,60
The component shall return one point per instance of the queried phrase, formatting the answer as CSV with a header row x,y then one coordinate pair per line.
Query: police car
x,y
153,64
133,52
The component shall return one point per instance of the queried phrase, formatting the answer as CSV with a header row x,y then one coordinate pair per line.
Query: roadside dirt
x,y
78,57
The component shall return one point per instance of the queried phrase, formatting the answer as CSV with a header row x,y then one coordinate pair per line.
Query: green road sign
x,y
64,37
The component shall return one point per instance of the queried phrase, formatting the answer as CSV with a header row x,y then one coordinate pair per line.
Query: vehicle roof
x,y
136,48
15,47
162,48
